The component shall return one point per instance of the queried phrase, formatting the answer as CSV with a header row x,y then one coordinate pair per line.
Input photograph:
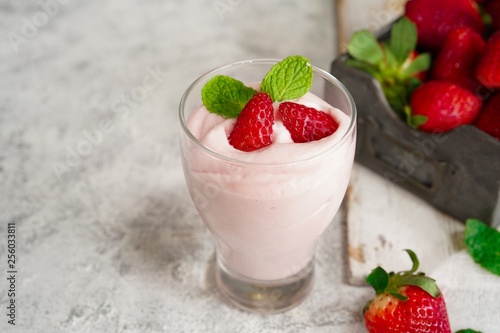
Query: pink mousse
x,y
268,208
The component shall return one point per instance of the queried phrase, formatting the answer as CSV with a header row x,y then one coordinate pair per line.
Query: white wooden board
x,y
384,219
353,15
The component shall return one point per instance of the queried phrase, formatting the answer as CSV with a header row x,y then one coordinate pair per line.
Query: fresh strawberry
x,y
492,7
254,127
489,117
436,18
445,105
457,59
394,63
488,68
306,124
405,302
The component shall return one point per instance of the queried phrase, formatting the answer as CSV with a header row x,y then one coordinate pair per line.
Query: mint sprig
x,y
226,96
289,79
483,244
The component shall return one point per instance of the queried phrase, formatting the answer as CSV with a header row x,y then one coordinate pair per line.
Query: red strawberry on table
x,y
488,68
405,302
254,126
457,59
489,117
306,124
436,18
446,106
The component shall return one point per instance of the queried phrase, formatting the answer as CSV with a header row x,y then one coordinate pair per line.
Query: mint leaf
x,y
403,39
288,79
225,96
364,46
468,330
483,244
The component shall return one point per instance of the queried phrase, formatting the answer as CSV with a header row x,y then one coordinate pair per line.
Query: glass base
x,y
265,297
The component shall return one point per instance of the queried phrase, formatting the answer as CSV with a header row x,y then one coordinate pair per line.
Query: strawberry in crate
x,y
436,18
440,66
394,63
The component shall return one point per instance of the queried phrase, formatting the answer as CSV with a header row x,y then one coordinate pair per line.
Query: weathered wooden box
x,y
458,172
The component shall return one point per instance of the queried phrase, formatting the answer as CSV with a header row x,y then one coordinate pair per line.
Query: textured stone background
x,y
108,239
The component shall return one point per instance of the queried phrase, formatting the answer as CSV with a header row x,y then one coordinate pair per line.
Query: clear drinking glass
x,y
266,218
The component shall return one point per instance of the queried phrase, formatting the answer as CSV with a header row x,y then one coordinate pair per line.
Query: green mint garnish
x,y
225,96
289,79
468,330
483,244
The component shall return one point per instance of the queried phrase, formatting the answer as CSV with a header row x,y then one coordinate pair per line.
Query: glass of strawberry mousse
x,y
266,209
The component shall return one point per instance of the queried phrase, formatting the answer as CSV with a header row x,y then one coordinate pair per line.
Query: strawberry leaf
x,y
394,292
419,64
364,46
395,94
378,279
289,79
417,120
483,244
366,67
423,282
403,39
394,63
485,16
391,62
414,260
391,283
413,83
225,96
468,330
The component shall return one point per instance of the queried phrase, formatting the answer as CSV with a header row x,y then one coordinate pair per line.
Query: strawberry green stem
x,y
391,283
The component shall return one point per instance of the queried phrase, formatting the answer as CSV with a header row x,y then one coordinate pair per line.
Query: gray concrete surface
x,y
107,239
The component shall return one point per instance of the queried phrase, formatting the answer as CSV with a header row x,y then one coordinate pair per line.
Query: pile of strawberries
x,y
463,83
